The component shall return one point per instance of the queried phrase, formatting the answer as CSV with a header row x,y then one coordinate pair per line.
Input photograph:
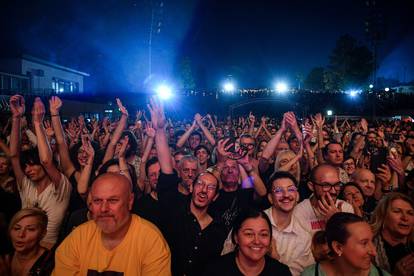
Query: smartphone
x,y
377,160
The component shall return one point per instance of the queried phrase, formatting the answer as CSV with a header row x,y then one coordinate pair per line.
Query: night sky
x,y
254,41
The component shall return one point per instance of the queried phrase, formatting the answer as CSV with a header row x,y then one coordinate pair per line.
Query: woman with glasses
x,y
393,227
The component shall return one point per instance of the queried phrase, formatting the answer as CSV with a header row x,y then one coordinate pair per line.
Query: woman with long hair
x,y
393,227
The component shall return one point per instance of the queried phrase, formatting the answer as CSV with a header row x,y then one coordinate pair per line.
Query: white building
x,y
27,74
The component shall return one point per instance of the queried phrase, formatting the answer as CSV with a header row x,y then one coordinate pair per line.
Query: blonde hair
x,y
290,155
382,209
30,212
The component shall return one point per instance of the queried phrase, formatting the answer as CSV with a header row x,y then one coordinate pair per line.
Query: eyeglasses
x,y
200,184
279,191
248,145
326,187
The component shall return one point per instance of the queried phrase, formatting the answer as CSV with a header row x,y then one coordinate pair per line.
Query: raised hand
x,y
364,125
122,108
157,114
38,110
48,128
222,149
55,104
198,118
17,106
318,120
149,130
252,118
327,206
88,148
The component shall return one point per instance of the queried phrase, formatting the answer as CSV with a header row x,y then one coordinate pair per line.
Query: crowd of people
x,y
208,196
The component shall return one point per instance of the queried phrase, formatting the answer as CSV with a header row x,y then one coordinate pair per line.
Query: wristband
x,y
55,115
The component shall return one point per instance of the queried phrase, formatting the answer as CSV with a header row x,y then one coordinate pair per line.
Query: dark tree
x,y
314,80
350,65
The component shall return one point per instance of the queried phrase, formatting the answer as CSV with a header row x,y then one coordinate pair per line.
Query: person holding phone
x,y
313,212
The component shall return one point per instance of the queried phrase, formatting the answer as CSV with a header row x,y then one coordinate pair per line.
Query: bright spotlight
x,y
164,92
329,112
387,89
371,86
353,93
229,86
281,87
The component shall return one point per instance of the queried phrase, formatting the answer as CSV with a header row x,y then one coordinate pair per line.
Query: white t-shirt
x,y
310,218
53,201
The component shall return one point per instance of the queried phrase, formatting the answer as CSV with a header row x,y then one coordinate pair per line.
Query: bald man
x,y
115,242
325,185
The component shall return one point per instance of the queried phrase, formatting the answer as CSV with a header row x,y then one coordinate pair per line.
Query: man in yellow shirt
x,y
115,242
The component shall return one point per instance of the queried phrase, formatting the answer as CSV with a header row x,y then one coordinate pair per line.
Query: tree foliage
x,y
350,65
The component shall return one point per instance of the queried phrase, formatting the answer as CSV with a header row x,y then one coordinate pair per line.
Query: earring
x,y
339,254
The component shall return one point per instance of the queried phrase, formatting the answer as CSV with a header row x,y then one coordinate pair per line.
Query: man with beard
x,y
115,242
193,235
291,243
313,212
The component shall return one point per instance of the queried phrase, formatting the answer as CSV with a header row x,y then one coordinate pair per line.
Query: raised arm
x,y
271,146
83,178
110,150
163,151
17,108
45,153
54,105
319,121
186,135
148,146
204,129
258,185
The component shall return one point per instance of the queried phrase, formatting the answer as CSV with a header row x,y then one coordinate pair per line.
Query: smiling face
x,y
253,239
284,195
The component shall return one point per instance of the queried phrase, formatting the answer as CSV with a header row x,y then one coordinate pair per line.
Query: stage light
x,y
281,87
371,86
329,112
387,89
164,92
353,93
229,87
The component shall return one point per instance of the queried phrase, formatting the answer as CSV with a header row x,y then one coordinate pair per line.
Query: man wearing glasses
x,y
323,203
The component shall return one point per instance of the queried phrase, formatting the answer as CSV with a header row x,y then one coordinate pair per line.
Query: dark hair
x,y
336,227
325,149
246,214
73,155
348,157
132,141
149,163
350,184
280,175
29,157
201,147
196,133
179,133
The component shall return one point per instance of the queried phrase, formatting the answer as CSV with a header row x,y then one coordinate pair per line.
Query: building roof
x,y
57,66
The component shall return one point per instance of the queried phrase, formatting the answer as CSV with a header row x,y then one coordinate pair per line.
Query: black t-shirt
x,y
397,252
226,265
228,205
147,207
